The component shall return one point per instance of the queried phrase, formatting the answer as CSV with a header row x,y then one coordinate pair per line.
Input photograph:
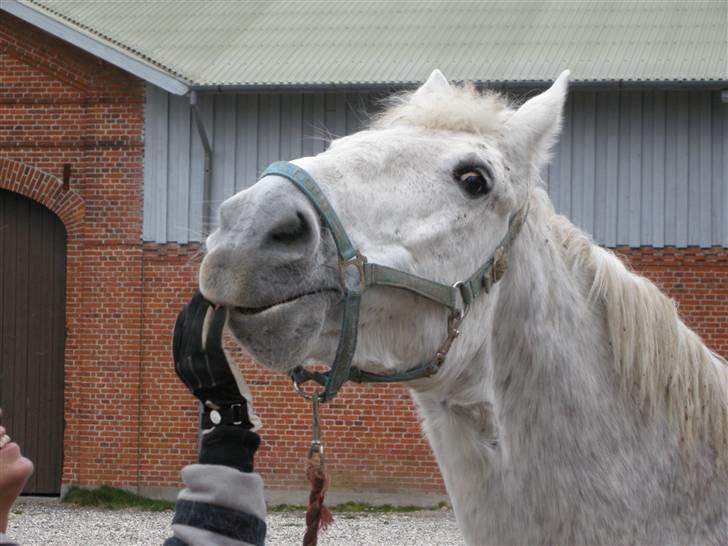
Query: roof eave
x,y
297,87
96,47
383,86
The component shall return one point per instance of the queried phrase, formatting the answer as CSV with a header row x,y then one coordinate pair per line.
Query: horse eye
x,y
474,182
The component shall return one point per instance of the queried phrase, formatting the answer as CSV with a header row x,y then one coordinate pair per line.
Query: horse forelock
x,y
662,364
458,108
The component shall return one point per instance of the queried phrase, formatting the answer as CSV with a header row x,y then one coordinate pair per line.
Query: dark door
x,y
32,334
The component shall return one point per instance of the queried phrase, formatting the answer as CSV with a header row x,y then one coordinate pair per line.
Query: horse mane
x,y
460,108
663,364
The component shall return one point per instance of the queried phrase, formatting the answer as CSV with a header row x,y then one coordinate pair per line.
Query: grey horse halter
x,y
358,274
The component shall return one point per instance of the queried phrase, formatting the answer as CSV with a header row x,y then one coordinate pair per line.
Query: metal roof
x,y
322,43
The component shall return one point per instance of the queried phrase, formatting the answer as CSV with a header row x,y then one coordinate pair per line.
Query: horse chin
x,y
283,336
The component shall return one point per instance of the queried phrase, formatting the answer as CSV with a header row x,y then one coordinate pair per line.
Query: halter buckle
x,y
352,273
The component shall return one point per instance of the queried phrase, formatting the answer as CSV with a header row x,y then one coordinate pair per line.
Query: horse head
x,y
427,189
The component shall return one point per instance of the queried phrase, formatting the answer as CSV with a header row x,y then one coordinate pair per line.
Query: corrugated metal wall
x,y
637,168
644,167
247,133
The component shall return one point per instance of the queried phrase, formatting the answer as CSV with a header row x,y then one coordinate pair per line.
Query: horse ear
x,y
436,83
533,129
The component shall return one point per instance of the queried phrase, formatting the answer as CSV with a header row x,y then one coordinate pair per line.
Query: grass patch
x,y
111,498
359,507
378,508
286,508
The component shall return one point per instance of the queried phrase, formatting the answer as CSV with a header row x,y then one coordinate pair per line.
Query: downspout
x,y
206,198
207,175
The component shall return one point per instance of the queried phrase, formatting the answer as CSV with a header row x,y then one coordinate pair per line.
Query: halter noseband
x,y
358,274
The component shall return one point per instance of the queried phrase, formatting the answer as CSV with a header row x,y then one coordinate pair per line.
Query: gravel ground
x,y
47,522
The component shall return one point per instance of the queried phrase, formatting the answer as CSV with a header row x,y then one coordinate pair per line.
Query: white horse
x,y
575,406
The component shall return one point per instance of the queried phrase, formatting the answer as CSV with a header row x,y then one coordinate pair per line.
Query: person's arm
x,y
219,505
14,472
6,541
222,502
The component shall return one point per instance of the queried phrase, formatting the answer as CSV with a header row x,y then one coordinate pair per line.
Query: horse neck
x,y
543,380
551,358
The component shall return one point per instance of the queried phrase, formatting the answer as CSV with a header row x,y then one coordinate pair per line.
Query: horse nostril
x,y
291,230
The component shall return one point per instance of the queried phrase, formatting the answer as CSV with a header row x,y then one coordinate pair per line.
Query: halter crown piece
x,y
358,274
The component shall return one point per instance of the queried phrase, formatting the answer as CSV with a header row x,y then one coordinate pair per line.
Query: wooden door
x,y
32,334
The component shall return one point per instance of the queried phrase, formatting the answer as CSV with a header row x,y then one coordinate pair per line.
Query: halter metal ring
x,y
303,394
466,304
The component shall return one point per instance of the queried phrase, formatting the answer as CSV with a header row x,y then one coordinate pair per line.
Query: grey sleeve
x,y
5,541
219,505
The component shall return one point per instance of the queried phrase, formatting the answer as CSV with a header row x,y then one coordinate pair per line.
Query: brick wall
x,y
59,105
128,419
697,279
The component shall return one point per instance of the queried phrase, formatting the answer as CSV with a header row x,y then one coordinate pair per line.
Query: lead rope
x,y
318,516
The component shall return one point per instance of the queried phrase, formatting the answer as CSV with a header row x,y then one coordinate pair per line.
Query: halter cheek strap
x,y
358,274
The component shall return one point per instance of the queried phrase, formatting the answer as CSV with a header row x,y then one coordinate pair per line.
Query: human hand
x,y
14,473
203,366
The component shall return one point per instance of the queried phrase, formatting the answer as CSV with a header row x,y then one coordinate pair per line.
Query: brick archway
x,y
33,244
46,190
70,208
